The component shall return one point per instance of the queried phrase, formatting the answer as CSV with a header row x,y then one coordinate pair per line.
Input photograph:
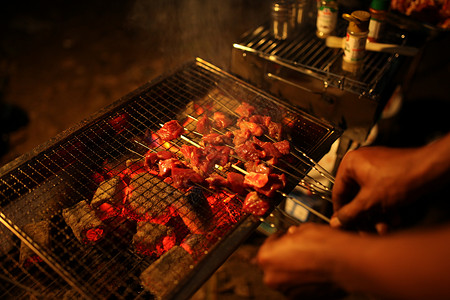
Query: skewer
x,y
301,183
324,189
324,173
313,211
293,220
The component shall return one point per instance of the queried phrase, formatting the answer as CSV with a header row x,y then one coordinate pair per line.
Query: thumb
x,y
349,213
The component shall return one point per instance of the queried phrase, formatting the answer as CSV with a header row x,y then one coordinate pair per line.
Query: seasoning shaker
x,y
327,15
284,18
301,7
378,14
355,40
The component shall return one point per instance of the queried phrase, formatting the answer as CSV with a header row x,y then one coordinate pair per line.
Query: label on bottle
x,y
374,29
355,47
326,19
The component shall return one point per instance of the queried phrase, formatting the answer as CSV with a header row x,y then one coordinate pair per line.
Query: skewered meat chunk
x,y
215,181
39,232
257,166
170,131
255,205
283,147
256,180
184,178
152,158
275,130
162,276
241,136
83,221
261,120
236,182
110,191
203,160
249,151
245,109
221,120
204,125
150,198
166,166
153,239
254,128
276,182
217,139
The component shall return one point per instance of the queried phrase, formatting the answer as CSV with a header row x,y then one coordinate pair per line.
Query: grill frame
x,y
303,71
51,152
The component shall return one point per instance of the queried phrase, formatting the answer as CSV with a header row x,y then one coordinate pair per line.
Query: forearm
x,y
435,165
411,265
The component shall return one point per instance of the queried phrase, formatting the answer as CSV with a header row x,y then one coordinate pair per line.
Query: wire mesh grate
x,y
103,225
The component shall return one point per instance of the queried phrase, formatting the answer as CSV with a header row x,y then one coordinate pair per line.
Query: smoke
x,y
185,29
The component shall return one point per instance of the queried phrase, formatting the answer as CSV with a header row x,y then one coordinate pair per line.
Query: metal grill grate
x,y
310,55
65,200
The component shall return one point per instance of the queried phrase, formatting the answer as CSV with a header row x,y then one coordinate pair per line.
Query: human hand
x,y
372,181
302,261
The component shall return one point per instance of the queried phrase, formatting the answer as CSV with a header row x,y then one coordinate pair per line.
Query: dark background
x,y
62,61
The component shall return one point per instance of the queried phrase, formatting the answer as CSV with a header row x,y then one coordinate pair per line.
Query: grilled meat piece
x,y
256,180
217,139
275,183
166,166
254,128
215,181
204,125
183,178
249,151
254,204
236,182
245,110
221,120
257,166
241,136
275,130
170,131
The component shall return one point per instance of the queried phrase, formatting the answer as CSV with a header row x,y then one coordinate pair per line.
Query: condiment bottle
x,y
378,12
284,18
356,38
327,15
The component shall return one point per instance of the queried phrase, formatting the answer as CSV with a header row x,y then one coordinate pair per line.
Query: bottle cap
x,y
359,21
379,4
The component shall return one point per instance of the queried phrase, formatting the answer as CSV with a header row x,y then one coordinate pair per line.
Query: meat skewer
x,y
313,164
292,219
302,182
318,214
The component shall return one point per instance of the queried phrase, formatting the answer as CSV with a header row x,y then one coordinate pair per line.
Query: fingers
x,y
349,213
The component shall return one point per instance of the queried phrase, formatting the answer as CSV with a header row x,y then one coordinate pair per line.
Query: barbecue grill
x,y
307,73
67,231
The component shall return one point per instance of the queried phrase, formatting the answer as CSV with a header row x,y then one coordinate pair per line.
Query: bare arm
x,y
379,179
409,265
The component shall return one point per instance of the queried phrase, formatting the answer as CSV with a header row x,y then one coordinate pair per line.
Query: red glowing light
x,y
94,234
32,260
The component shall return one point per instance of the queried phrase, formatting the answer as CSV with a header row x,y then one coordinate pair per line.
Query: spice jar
x,y
284,18
355,39
378,13
327,15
